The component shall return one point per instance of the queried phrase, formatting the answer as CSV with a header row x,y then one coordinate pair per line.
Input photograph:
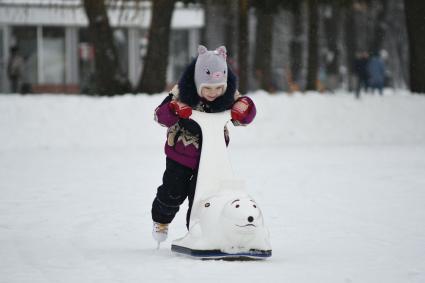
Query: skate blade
x,y
219,255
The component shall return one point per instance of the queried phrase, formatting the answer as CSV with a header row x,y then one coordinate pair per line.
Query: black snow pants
x,y
178,183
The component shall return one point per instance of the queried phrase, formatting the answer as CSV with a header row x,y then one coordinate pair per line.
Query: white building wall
x,y
50,14
70,15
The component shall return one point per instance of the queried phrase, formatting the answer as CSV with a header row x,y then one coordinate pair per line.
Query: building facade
x,y
53,39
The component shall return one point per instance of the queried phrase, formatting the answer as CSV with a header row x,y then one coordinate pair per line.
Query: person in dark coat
x,y
361,70
15,67
207,85
376,71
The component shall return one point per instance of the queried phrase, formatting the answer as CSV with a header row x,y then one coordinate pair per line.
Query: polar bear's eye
x,y
254,206
208,72
237,206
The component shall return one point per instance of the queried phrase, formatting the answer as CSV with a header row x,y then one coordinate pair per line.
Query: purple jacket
x,y
184,137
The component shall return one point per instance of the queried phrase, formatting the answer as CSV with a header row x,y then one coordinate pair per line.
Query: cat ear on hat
x,y
202,49
222,51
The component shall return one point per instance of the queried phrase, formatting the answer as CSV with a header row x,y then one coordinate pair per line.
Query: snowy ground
x,y
341,184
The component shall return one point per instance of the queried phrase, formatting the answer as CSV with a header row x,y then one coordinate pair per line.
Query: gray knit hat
x,y
211,68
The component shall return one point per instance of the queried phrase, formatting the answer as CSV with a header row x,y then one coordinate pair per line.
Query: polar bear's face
x,y
242,215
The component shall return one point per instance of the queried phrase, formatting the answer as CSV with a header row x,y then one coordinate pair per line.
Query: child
x,y
207,85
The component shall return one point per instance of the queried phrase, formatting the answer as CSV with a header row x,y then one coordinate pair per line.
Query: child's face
x,y
210,93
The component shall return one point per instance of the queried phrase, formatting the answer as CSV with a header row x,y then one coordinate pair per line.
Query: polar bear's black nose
x,y
250,218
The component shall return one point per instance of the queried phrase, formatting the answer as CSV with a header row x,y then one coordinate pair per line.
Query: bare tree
x,y
415,11
230,27
265,11
380,26
109,78
243,46
313,29
331,26
153,78
296,46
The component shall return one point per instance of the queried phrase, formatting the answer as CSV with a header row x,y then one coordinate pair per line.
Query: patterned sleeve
x,y
163,113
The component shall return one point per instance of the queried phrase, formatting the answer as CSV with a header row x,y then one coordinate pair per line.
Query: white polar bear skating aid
x,y
225,222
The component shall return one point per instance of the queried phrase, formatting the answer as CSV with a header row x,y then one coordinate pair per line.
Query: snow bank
x,y
80,211
63,121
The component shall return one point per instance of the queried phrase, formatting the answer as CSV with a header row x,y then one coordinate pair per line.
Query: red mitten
x,y
240,109
182,110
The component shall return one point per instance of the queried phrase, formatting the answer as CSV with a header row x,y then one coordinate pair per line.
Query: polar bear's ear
x,y
202,49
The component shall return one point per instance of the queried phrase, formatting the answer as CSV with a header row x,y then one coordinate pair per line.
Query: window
x,y
121,44
53,55
179,55
143,50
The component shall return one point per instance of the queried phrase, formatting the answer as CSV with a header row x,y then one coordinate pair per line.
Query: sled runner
x,y
217,254
225,222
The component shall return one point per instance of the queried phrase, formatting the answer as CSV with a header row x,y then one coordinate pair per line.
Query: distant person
x,y
376,71
361,70
15,70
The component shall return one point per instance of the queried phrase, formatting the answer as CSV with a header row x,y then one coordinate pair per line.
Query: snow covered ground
x,y
341,183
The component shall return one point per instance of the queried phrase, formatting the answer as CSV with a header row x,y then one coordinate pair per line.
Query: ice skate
x,y
160,232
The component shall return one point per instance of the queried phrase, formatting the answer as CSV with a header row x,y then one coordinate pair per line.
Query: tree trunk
x,y
331,30
154,76
313,29
350,39
296,47
415,11
243,46
380,27
215,21
230,27
263,49
109,78
331,23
